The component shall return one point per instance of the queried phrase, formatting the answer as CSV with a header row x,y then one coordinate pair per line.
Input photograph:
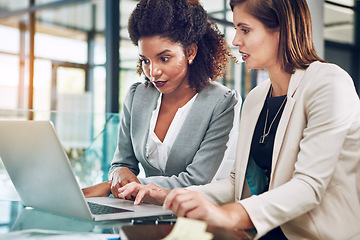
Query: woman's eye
x,y
245,30
165,59
144,61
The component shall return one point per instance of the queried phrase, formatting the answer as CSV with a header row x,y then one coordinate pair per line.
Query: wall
x,y
317,13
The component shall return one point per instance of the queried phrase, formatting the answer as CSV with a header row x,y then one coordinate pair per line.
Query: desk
x,y
28,218
20,218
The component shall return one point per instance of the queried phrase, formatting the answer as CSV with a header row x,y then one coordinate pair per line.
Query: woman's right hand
x,y
120,178
144,193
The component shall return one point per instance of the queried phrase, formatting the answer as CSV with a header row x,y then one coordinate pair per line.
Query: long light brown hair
x,y
292,18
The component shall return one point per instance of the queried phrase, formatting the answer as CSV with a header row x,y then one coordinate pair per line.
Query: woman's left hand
x,y
190,204
98,190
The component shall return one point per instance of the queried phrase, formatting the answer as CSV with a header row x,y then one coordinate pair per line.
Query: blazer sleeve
x,y
208,157
219,192
124,154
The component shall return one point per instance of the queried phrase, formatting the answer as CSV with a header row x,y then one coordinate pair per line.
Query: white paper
x,y
189,229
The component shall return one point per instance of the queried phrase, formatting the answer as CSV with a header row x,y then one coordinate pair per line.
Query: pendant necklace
x,y
266,133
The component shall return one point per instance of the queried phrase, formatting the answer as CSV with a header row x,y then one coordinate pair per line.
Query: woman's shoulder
x,y
325,68
135,85
218,95
327,75
216,90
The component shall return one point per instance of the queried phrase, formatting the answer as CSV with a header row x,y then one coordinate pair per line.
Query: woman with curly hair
x,y
176,124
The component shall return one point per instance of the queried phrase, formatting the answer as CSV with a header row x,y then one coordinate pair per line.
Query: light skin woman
x,y
305,185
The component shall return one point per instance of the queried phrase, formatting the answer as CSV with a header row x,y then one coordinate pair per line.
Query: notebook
x,y
42,175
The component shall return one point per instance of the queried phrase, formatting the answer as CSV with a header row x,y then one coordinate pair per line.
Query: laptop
x,y
42,175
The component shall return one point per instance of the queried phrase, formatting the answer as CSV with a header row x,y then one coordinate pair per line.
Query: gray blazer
x,y
199,147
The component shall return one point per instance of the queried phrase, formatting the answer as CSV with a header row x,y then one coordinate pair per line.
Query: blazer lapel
x,y
249,118
284,121
144,103
187,133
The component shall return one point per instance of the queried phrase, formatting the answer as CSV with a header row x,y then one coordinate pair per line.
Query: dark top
x,y
262,152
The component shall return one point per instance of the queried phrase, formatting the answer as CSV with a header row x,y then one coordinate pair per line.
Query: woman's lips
x,y
160,84
245,56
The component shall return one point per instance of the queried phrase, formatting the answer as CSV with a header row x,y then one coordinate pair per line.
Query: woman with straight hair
x,y
296,175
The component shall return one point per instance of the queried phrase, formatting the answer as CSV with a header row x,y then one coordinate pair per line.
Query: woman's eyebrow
x,y
241,24
160,53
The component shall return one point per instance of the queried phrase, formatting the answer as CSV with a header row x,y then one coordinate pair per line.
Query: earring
x,y
190,61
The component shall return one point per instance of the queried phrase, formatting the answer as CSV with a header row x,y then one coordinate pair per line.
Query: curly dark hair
x,y
185,22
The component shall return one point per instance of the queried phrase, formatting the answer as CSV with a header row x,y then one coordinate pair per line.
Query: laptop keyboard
x,y
102,209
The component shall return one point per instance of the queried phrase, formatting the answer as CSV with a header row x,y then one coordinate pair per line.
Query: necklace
x,y
266,133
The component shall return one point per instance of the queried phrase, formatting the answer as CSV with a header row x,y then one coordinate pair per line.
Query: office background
x,y
52,50
71,61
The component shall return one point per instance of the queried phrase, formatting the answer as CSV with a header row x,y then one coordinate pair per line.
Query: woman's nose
x,y
237,41
155,70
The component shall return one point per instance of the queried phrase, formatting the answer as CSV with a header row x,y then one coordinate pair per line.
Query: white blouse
x,y
157,152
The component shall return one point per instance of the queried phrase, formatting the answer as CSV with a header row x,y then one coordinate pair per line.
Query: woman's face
x,y
257,44
164,63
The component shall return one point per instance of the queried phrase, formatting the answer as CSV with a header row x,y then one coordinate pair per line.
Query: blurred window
x,y
338,23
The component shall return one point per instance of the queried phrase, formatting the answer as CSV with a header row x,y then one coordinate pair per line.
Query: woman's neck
x,y
179,98
280,82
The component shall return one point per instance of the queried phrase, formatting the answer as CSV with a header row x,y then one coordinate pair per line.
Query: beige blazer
x,y
314,187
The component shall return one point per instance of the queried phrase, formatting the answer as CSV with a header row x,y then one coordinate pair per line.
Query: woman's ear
x,y
191,52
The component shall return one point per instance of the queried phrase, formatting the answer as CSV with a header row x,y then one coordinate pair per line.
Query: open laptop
x,y
42,175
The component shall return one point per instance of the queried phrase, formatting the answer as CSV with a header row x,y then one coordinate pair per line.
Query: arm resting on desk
x,y
98,190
